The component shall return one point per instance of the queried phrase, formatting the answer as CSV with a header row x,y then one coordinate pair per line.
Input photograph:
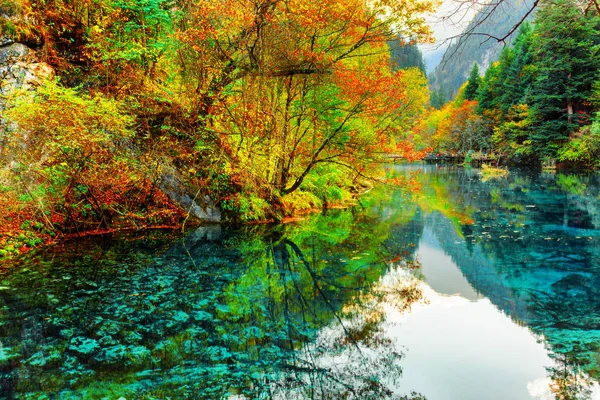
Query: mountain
x,y
478,45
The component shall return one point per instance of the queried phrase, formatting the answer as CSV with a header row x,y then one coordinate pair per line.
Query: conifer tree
x,y
567,58
488,93
405,56
473,83
518,73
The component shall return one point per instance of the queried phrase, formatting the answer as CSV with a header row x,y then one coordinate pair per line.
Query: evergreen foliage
x,y
406,55
473,83
535,103
567,57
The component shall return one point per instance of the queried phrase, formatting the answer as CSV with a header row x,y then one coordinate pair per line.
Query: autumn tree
x,y
71,159
246,101
281,88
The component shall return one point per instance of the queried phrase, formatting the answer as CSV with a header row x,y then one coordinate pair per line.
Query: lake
x,y
463,289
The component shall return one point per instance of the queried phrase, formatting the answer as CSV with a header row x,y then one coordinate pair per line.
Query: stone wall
x,y
200,207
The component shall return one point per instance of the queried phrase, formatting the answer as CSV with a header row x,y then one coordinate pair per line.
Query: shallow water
x,y
465,290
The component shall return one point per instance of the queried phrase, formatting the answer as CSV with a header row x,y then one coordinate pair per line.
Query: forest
x,y
256,109
158,113
537,105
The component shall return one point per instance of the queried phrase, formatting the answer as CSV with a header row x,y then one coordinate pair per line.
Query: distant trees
x,y
536,103
405,55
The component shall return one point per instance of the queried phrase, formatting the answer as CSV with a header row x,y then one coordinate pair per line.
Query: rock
x,y
5,41
13,52
200,207
34,73
83,346
19,69
23,75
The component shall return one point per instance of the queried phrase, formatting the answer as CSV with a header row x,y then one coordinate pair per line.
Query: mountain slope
x,y
478,46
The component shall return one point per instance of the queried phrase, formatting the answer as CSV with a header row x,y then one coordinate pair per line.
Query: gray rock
x,y
200,207
14,51
19,69
5,41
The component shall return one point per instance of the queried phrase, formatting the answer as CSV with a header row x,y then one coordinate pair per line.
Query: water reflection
x,y
529,244
461,349
285,312
440,272
466,290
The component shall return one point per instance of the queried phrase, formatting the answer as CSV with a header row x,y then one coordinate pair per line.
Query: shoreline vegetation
x,y
161,113
17,241
489,172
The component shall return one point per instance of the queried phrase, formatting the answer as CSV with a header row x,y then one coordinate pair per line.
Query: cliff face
x,y
19,68
476,47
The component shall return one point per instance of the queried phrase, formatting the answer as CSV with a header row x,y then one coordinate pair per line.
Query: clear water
x,y
469,289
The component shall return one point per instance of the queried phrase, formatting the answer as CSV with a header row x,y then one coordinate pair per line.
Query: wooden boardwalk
x,y
477,159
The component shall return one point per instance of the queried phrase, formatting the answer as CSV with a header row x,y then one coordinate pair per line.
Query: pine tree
x,y
489,89
567,59
473,83
518,73
404,56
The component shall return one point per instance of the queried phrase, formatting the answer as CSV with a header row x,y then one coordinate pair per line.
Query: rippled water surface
x,y
468,289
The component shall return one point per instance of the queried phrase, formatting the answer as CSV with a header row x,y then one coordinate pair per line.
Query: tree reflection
x,y
329,310
567,383
285,312
530,243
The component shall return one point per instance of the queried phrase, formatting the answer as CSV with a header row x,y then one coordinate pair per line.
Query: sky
x,y
450,20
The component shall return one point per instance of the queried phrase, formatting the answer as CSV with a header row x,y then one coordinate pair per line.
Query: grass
x,y
488,172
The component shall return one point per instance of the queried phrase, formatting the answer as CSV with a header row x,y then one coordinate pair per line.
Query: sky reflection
x,y
459,345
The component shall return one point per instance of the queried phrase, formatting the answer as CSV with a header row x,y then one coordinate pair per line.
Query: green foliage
x,y
489,94
331,185
300,202
517,74
584,148
473,83
538,95
437,99
405,55
139,35
245,208
567,56
571,184
468,158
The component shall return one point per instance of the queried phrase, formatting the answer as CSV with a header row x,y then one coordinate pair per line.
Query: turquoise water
x,y
467,289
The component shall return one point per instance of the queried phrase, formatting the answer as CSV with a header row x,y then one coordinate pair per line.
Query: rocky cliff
x,y
19,68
